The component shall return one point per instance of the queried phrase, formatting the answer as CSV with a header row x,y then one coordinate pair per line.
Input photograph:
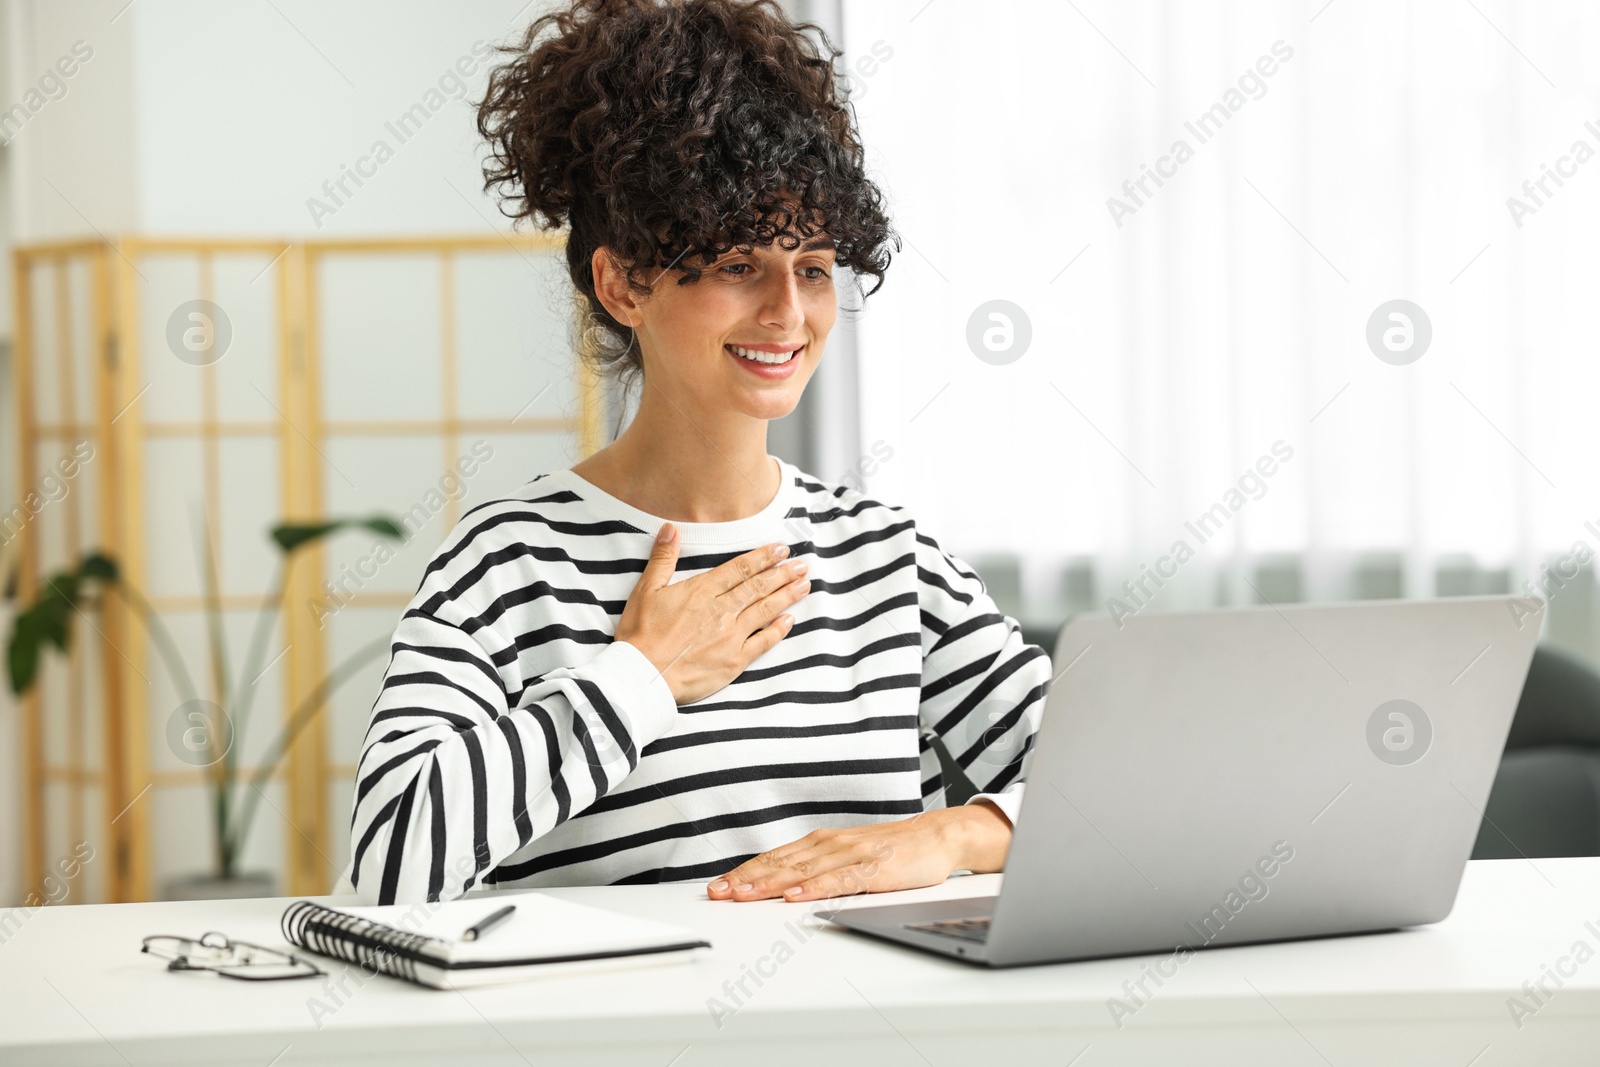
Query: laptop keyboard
x,y
966,929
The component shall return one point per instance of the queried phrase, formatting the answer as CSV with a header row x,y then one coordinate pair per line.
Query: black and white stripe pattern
x,y
513,741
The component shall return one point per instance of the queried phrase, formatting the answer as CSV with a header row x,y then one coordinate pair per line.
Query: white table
x,y
74,989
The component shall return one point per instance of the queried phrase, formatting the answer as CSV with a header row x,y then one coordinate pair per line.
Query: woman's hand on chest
x,y
701,633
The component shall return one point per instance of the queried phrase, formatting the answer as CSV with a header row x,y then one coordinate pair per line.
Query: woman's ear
x,y
611,287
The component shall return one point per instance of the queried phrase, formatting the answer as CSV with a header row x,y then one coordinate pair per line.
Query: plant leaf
x,y
385,526
99,566
22,652
290,536
51,621
62,585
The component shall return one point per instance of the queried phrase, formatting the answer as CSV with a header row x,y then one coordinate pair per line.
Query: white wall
x,y
246,112
203,117
73,157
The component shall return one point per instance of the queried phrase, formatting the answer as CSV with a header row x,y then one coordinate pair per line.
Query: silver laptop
x,y
1244,775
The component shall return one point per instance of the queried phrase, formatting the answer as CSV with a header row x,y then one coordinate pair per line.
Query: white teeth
x,y
764,357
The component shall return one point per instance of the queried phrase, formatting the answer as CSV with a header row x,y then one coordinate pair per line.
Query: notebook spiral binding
x,y
374,947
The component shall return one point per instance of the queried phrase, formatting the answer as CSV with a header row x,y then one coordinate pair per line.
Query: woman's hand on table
x,y
910,853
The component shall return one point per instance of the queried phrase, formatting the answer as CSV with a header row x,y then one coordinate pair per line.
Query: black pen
x,y
489,922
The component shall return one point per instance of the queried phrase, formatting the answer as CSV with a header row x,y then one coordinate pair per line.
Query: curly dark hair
x,y
671,133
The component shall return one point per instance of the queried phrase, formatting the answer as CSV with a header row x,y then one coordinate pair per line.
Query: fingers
x,y
841,882
761,865
663,559
770,873
765,639
762,616
742,568
808,869
772,592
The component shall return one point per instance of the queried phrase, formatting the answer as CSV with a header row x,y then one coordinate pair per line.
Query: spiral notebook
x,y
546,936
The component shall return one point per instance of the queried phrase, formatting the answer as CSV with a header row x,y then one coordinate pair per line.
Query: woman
x,y
684,659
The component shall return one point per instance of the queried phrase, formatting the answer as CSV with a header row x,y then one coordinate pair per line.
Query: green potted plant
x,y
203,733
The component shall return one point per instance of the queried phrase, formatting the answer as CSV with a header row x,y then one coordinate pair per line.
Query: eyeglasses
x,y
231,959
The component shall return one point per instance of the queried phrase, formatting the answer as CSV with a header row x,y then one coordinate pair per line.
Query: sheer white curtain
x,y
1351,154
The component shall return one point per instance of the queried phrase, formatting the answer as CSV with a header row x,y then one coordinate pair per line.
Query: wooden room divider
x,y
347,372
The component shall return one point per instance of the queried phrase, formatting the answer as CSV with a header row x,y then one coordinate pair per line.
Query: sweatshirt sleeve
x,y
453,779
983,686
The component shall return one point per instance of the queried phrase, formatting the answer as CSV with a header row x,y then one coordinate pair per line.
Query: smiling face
x,y
744,339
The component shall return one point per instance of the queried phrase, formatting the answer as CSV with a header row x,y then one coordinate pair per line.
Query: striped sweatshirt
x,y
514,743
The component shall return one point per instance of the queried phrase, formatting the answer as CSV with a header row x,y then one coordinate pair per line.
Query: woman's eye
x,y
741,270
